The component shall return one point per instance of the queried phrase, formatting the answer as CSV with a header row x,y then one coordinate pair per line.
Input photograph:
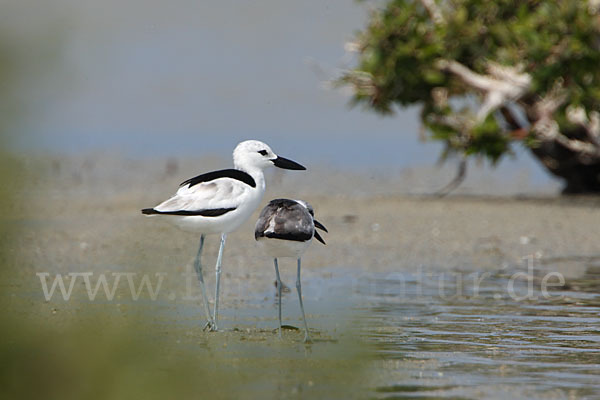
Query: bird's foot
x,y
307,339
210,326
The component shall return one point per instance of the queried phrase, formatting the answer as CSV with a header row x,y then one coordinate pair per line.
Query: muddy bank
x,y
81,214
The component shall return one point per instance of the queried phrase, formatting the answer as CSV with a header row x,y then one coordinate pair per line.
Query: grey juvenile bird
x,y
285,228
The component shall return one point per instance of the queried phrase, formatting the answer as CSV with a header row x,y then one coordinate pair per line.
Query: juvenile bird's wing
x,y
283,220
296,220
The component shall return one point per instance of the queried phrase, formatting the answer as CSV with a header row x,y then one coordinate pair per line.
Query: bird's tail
x,y
149,211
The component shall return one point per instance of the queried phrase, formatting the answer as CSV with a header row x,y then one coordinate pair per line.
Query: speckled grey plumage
x,y
285,219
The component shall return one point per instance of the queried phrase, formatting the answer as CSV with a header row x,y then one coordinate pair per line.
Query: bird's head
x,y
252,154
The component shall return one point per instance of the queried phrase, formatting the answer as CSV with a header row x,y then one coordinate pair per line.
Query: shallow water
x,y
485,344
434,334
430,334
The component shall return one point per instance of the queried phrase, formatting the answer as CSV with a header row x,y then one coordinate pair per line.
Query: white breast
x,y
279,248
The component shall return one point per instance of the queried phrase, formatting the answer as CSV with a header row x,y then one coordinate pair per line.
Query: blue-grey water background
x,y
186,78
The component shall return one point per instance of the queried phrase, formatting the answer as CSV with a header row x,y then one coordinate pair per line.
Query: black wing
x,y
224,173
204,213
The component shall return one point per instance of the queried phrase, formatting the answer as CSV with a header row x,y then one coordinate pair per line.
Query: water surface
x,y
487,345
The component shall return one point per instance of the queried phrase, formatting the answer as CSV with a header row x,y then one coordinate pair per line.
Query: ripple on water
x,y
487,345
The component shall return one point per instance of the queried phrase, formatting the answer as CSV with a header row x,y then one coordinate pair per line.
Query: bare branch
x,y
440,96
502,85
577,115
362,82
434,11
459,122
352,47
594,125
577,146
471,78
510,119
512,75
544,108
461,174
546,128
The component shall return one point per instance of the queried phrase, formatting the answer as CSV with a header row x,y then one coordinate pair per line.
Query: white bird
x,y
220,202
285,228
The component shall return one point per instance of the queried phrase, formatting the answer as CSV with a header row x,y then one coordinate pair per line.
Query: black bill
x,y
287,164
319,238
320,226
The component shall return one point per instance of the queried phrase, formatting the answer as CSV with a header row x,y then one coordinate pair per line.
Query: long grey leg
x,y
278,293
218,284
299,289
198,268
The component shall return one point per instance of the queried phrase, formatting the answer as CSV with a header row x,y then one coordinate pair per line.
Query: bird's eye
x,y
263,152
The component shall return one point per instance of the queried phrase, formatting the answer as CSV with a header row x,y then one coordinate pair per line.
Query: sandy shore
x,y
83,215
